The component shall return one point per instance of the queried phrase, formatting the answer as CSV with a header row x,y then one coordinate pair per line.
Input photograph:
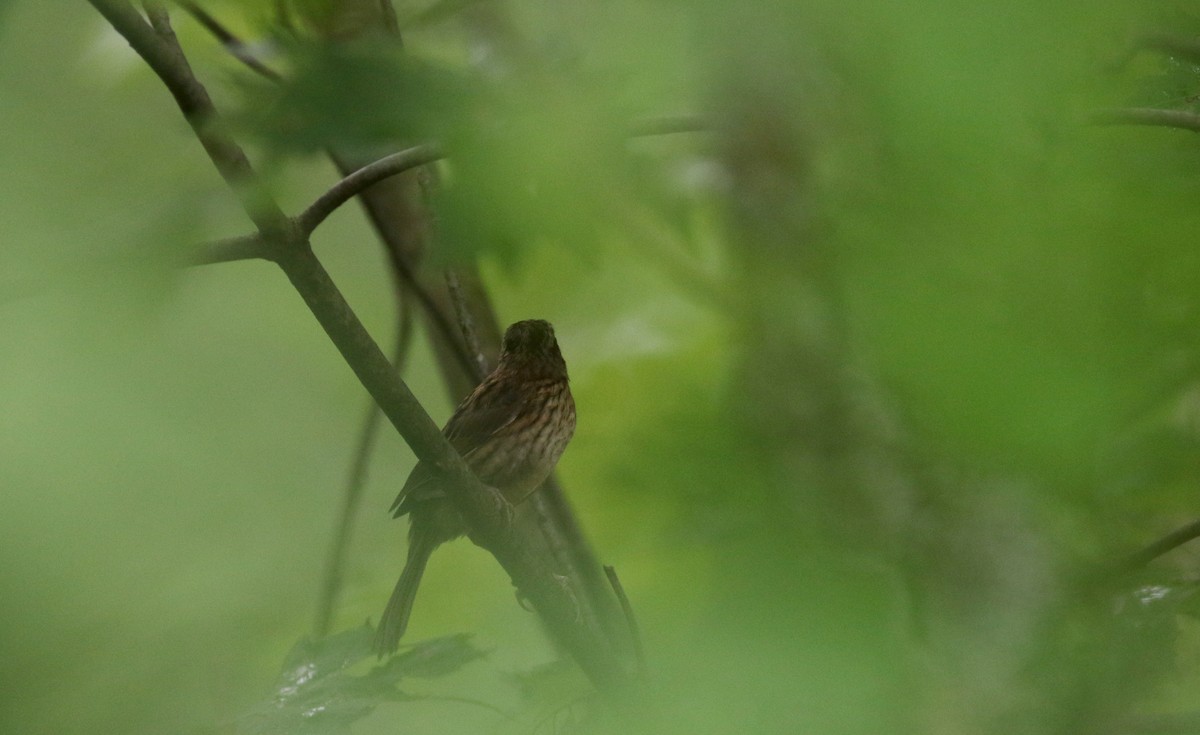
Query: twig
x,y
1185,47
635,632
562,529
1147,116
459,700
352,497
234,45
160,50
669,124
467,324
1170,542
248,247
365,177
400,266
378,213
245,247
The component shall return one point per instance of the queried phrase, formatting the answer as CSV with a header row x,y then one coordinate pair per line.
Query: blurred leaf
x,y
361,96
545,163
315,694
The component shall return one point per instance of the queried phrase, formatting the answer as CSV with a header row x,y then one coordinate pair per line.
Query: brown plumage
x,y
511,431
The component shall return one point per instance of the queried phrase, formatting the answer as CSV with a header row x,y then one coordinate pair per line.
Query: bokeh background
x,y
880,374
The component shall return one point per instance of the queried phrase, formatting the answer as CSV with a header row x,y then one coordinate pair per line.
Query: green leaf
x,y
316,694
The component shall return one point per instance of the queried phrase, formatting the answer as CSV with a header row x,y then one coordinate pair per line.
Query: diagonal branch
x,y
352,496
365,177
466,324
249,247
1147,116
234,45
402,269
1170,542
229,250
164,56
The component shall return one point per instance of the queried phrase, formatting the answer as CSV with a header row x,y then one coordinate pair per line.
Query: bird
x,y
511,431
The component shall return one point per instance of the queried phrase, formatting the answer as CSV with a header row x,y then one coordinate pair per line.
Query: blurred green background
x,y
875,375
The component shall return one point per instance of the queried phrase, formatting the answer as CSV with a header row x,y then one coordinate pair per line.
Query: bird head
x,y
531,339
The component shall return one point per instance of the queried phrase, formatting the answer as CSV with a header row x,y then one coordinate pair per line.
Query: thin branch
x,y
1170,542
245,247
159,20
362,179
234,45
401,268
249,247
459,700
466,324
377,207
1185,47
160,49
635,631
669,125
352,497
564,531
1147,116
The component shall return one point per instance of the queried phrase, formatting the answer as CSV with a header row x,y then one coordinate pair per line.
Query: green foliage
x,y
361,96
878,376
316,694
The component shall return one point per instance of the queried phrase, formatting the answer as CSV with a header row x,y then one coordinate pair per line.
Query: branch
x,y
467,324
391,211
669,124
249,247
246,247
362,179
352,497
1170,542
635,631
160,49
1182,46
234,45
1147,116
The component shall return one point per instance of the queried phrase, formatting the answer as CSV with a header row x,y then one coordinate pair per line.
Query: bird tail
x,y
394,620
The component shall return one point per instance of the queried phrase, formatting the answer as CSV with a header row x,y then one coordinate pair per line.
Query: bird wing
x,y
486,411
